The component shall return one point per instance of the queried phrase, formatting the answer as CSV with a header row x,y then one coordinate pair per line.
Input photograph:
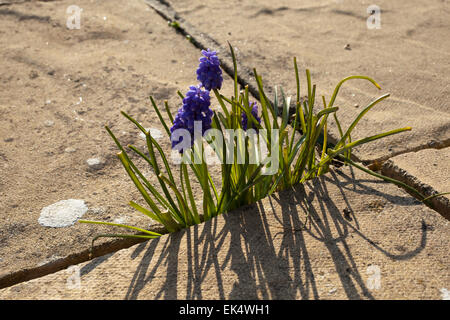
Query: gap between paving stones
x,y
203,41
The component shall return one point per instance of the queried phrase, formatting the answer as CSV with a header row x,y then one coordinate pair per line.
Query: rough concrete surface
x,y
363,239
408,56
430,166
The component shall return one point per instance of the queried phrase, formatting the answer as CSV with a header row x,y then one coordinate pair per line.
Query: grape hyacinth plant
x,y
237,132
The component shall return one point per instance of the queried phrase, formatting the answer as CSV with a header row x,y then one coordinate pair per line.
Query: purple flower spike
x,y
209,72
254,113
195,108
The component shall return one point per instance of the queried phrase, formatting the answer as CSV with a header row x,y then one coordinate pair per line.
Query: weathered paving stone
x,y
92,75
63,213
267,35
296,244
426,170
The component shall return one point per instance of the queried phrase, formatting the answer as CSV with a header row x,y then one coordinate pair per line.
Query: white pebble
x,y
63,213
69,150
155,133
332,291
95,163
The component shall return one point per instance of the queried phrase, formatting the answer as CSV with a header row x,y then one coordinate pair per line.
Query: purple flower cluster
x,y
254,113
208,72
195,108
196,104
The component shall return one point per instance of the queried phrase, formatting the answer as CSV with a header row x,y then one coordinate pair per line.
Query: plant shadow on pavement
x,y
266,263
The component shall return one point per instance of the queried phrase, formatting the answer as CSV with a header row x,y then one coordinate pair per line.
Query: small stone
x,y
333,290
95,163
49,123
70,150
51,72
347,47
8,139
63,213
33,74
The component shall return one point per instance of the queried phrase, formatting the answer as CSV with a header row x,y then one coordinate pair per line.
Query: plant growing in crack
x,y
259,153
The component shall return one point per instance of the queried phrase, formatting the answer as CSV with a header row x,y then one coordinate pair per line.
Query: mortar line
x,y
23,275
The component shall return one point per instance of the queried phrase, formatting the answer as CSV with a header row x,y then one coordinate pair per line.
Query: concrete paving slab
x,y
363,239
428,171
408,55
59,87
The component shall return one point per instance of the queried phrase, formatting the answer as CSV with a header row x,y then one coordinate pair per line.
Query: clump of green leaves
x,y
295,145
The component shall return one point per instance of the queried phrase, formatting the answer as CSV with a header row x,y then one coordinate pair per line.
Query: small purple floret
x,y
254,113
209,73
